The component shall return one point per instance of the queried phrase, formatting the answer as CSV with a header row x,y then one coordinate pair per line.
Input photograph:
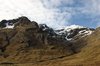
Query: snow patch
x,y
85,32
9,26
69,30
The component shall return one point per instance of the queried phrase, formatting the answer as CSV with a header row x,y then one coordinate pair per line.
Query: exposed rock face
x,y
75,34
3,23
26,42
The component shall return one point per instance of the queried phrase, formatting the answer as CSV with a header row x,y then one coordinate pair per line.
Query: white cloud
x,y
52,12
56,3
34,10
91,7
12,9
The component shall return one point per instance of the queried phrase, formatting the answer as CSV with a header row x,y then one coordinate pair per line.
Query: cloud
x,y
31,8
87,11
56,3
91,6
34,10
55,13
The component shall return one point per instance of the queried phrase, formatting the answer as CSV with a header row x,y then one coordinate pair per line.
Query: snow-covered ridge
x,y
74,31
69,28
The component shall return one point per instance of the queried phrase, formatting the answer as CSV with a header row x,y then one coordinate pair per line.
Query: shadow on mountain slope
x,y
27,45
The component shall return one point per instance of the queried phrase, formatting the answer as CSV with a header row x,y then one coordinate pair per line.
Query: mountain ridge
x,y
29,43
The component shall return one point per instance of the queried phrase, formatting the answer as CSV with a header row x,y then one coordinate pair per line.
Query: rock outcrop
x,y
26,42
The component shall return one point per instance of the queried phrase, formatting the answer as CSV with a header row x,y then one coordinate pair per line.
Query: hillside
x,y
26,42
89,55
30,44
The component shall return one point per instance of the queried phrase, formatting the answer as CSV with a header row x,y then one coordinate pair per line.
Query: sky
x,y
54,13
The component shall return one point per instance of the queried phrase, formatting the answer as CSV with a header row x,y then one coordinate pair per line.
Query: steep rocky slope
x,y
30,44
89,55
74,32
27,42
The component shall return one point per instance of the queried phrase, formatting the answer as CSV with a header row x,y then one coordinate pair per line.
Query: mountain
x,y
69,33
74,32
27,43
89,55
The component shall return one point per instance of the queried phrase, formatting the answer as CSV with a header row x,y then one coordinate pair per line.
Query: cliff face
x,y
26,42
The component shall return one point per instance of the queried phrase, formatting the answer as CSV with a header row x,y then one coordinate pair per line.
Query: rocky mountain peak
x,y
28,38
22,21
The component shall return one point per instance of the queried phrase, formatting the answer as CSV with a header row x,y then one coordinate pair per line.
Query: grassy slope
x,y
89,55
